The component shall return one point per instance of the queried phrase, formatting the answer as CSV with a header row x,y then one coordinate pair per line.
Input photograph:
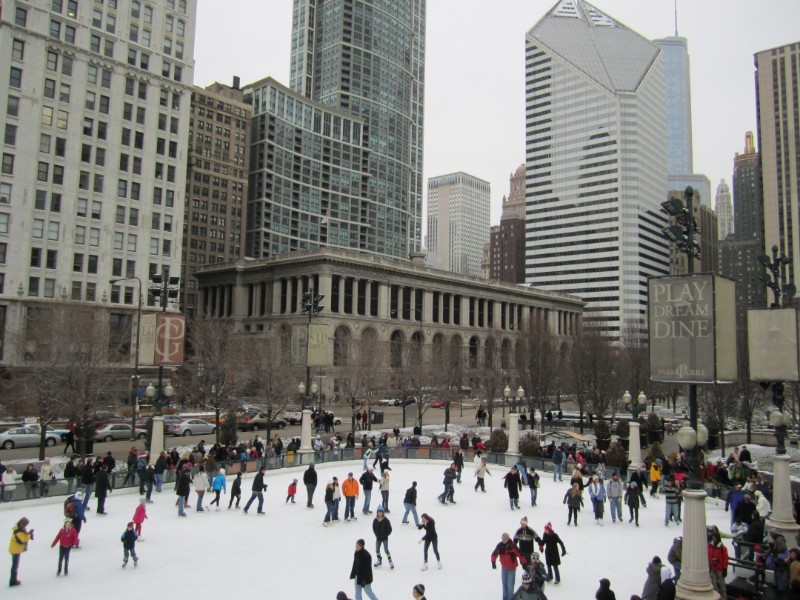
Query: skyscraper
x,y
680,158
777,90
458,222
724,209
367,58
595,167
507,240
96,125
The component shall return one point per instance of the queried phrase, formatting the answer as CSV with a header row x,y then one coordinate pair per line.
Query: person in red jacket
x,y
509,556
139,515
67,538
718,563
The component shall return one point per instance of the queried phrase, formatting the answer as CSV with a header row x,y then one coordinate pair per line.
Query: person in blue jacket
x,y
220,485
597,492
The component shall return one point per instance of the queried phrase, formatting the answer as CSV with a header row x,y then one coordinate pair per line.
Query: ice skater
x,y
550,545
510,557
236,490
20,536
382,528
481,471
292,491
200,483
139,515
220,486
574,501
362,571
128,539
67,539
431,538
513,483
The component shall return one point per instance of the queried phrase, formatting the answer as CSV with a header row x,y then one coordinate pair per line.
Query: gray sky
x,y
475,70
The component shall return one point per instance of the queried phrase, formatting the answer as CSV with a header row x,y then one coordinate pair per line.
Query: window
x,y
102,130
91,292
116,267
130,271
135,9
15,78
8,164
53,229
98,183
72,8
5,193
86,153
167,222
120,215
3,253
90,102
133,33
4,219
18,50
77,262
111,23
132,239
170,198
88,126
148,14
55,29
135,190
119,240
154,243
80,234
105,101
108,49
169,23
43,172
166,248
66,66
49,88
36,257
10,137
96,209
58,174
49,288
55,202
140,114
105,81
69,34
155,222
63,119
52,61
12,107
94,43
91,266
33,286
133,217
146,37
122,188
57,5
124,159
82,207
97,18
94,237
181,28
38,229
83,180
65,92
51,262
77,290
21,17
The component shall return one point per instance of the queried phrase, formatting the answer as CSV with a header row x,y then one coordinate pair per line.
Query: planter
x,y
625,443
655,436
713,441
603,444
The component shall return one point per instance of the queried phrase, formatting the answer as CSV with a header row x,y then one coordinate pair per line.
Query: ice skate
x,y
391,564
379,562
438,564
424,567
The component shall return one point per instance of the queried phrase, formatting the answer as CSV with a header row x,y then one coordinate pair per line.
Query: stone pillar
x,y
276,296
513,433
325,289
157,438
368,298
305,432
695,582
781,518
383,300
342,284
635,448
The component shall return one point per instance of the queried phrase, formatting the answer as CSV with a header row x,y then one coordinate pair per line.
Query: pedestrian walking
x,y
533,484
410,504
236,491
509,556
350,490
128,539
385,490
139,516
614,492
310,481
574,501
672,508
525,538
550,545
362,571
200,483
481,471
382,528
20,536
182,487
632,497
220,486
366,480
258,488
431,538
597,493
653,581
513,483
102,489
67,539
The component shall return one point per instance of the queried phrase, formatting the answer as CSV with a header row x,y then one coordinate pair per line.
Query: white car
x,y
17,437
191,427
117,431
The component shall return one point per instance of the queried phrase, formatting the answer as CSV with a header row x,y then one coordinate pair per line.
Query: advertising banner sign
x,y
772,344
170,337
147,340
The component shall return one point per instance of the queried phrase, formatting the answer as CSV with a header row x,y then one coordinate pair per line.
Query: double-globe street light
x,y
634,437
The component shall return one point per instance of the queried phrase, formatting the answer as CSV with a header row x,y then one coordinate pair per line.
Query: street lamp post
x,y
305,422
157,431
163,289
135,376
520,396
634,437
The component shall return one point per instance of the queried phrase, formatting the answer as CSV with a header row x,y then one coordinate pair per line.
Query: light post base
x,y
305,432
157,436
634,445
695,581
513,433
782,518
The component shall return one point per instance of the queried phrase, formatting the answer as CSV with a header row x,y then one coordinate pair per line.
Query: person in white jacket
x,y
45,477
9,481
200,482
763,506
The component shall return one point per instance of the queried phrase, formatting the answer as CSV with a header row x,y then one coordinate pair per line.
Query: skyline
x,y
465,78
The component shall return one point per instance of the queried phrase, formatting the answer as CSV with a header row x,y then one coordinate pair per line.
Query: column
x,y
157,439
240,299
513,433
695,582
383,300
781,517
342,284
305,433
276,296
427,307
635,448
368,298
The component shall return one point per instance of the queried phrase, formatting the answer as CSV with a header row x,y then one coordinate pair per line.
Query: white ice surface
x,y
289,554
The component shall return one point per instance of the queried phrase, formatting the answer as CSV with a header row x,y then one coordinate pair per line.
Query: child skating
x,y
292,491
139,516
67,539
220,486
236,490
128,539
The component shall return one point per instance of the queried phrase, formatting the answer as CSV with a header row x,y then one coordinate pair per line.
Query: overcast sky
x,y
475,102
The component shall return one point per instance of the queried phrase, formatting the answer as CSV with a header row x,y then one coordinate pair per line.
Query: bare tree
x,y
446,375
717,403
749,393
493,377
593,361
537,365
359,368
634,351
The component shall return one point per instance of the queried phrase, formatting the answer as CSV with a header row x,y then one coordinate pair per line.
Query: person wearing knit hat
x,y
362,571
525,537
549,545
418,592
382,528
220,486
342,596
128,540
604,591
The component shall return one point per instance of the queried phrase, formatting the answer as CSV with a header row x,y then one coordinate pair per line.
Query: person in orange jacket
x,y
350,491
718,563
67,538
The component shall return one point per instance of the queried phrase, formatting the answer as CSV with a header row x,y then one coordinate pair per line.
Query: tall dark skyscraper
x,y
367,58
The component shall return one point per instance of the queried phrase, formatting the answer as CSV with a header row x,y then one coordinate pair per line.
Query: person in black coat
x,y
182,487
604,591
362,571
513,482
550,543
382,528
102,487
70,473
258,489
87,479
525,537
366,480
310,481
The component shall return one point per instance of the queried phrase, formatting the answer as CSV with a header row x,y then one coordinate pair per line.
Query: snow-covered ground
x,y
289,554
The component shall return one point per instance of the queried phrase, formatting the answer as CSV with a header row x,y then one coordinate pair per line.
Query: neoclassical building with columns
x,y
388,299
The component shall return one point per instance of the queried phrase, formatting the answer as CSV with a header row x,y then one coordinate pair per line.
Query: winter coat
x,y
200,482
411,496
667,590
46,473
236,488
744,512
384,483
184,484
605,593
458,459
482,470
717,557
19,540
367,479
508,554
128,538
615,489
102,485
551,542
66,538
362,567
524,539
161,465
675,551
382,528
597,492
513,483
258,483
653,582
328,493
9,479
140,514
430,531
449,476
671,492
350,487
30,476
575,502
655,475
87,475
533,479
220,483
762,504
632,497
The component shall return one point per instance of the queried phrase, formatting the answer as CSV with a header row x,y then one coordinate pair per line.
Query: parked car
x,y
293,415
61,432
117,431
406,402
437,404
18,437
168,419
388,401
191,427
255,421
